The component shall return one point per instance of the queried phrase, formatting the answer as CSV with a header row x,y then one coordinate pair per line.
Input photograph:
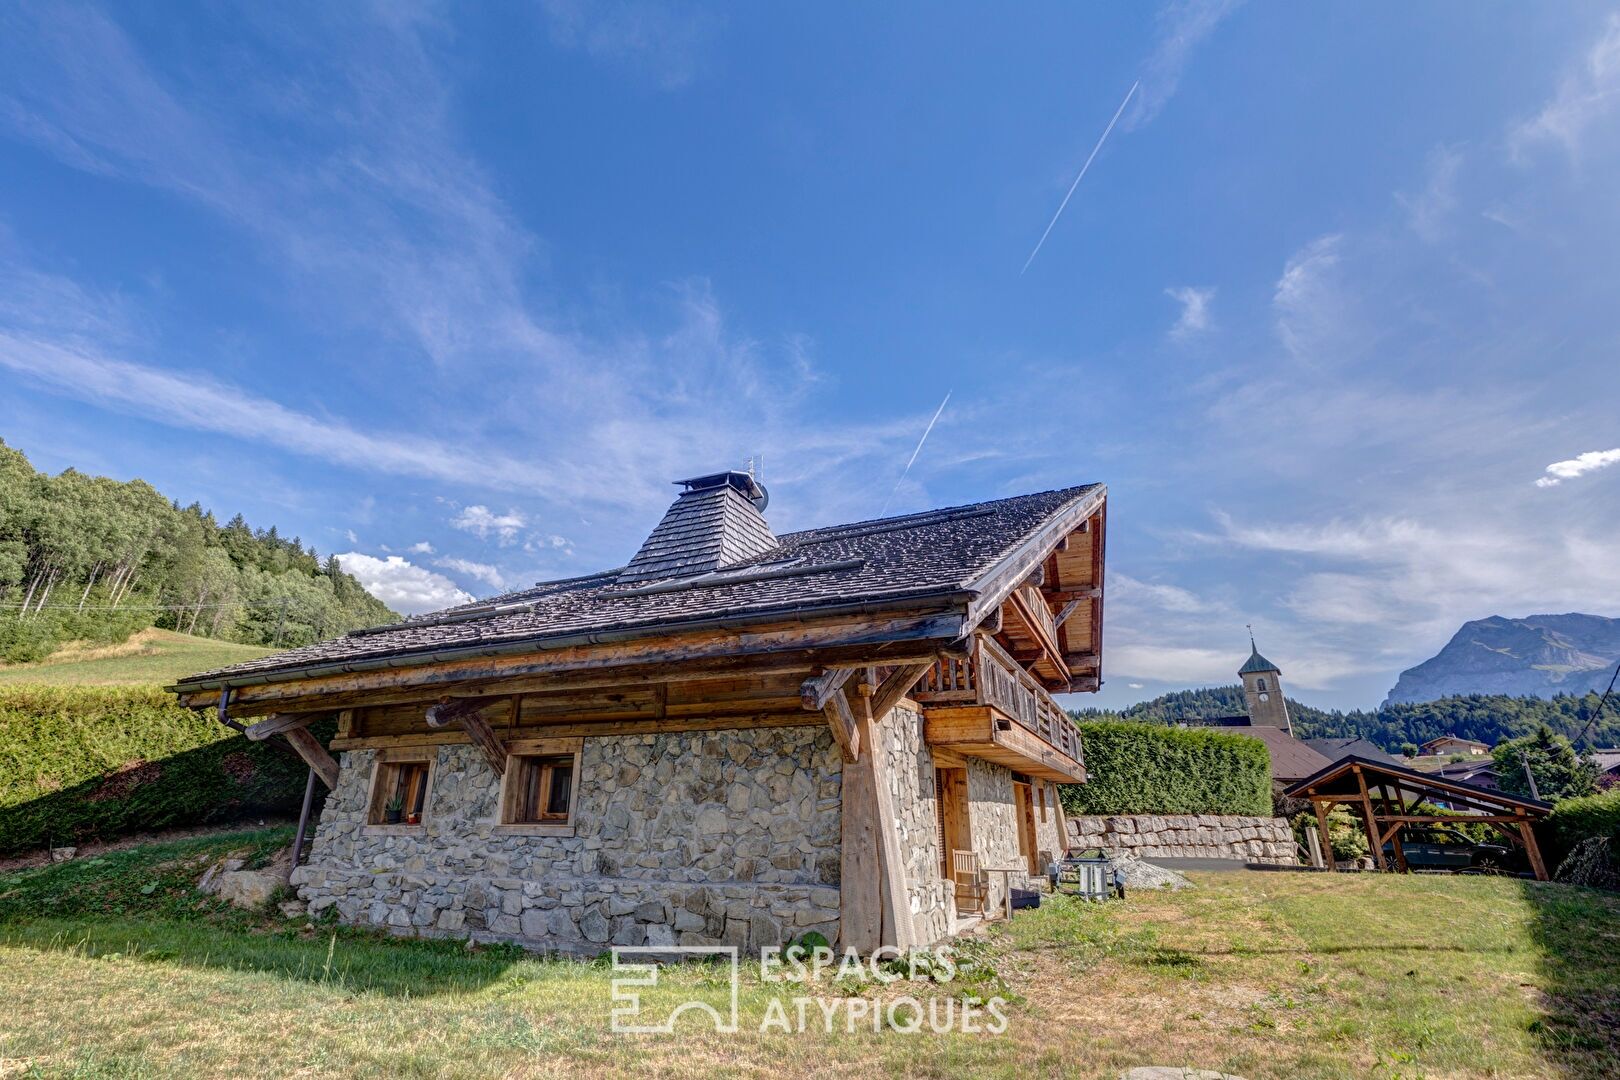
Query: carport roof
x,y
1339,778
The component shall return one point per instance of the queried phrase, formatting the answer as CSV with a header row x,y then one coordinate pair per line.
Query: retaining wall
x,y
1202,836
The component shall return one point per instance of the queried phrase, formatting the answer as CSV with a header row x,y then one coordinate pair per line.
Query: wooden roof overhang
x,y
1385,795
1046,608
857,635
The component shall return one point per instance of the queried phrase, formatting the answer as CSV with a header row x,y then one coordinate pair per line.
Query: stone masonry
x,y
1203,836
910,766
717,837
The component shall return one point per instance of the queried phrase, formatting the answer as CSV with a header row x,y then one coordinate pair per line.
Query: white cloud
x,y
1592,460
197,401
1194,318
421,547
484,572
402,585
483,522
1586,96
668,44
1183,26
1428,209
1128,591
1306,300
350,536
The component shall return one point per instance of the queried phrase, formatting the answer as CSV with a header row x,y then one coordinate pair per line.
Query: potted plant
x,y
394,810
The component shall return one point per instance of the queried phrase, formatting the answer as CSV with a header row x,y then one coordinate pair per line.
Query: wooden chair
x,y
972,884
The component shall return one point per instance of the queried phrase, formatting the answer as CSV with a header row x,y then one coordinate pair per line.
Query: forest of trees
x,y
87,558
1489,718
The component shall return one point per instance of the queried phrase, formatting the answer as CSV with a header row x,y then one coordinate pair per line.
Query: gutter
x,y
943,601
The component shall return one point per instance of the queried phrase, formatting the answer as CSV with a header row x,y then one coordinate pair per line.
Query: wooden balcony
x,y
989,707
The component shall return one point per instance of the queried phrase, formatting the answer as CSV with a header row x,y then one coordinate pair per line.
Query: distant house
x,y
1446,745
1608,763
1479,773
1339,749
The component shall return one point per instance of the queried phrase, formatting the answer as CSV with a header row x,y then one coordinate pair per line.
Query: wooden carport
x,y
1385,795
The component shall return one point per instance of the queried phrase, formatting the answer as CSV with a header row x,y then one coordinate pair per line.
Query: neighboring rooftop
x,y
710,559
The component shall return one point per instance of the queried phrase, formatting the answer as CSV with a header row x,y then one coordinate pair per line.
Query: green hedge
x,y
78,763
1141,768
1574,820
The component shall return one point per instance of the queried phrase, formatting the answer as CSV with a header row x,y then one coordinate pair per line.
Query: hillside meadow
x,y
1273,975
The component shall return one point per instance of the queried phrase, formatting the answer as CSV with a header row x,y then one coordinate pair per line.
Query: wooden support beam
x,y
278,724
314,754
1533,850
467,713
1063,613
874,904
817,690
1089,592
1321,806
1367,816
842,722
895,687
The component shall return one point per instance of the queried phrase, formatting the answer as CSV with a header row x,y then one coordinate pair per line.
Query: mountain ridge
x,y
1533,656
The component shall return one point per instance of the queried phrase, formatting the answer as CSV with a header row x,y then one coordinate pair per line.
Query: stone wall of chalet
x,y
716,837
910,774
1202,836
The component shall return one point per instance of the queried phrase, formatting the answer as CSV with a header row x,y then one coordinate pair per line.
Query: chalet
x,y
735,738
1451,744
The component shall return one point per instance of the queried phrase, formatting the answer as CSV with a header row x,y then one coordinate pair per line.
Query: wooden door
x,y
951,816
1025,807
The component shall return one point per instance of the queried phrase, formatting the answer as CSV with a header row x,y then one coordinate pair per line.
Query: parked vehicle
x,y
1437,847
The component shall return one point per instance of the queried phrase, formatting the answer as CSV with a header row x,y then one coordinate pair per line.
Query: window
x,y
538,792
1260,684
545,786
399,789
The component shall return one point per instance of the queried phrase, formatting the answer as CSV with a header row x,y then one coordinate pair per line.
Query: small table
x,y
1006,873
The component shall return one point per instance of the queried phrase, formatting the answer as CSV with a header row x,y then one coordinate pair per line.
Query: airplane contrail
x,y
1081,176
914,454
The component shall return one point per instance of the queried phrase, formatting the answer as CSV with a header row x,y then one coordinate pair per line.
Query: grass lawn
x,y
151,657
113,967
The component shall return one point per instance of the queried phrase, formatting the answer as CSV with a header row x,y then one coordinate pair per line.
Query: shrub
x,y
1574,820
79,763
1141,768
1347,835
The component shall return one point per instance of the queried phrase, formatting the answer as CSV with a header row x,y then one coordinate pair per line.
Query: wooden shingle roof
x,y
946,555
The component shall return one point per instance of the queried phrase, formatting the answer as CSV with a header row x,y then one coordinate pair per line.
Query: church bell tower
x,y
1262,691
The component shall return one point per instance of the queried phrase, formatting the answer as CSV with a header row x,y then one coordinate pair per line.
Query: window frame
x,y
519,751
383,766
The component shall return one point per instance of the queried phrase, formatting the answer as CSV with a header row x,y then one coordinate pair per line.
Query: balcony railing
x,y
990,677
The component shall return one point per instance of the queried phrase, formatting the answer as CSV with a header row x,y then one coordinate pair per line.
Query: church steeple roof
x,y
1257,663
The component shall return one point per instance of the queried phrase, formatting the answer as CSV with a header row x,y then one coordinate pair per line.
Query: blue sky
x,y
456,291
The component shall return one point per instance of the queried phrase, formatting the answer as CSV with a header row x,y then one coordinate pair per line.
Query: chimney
x,y
714,523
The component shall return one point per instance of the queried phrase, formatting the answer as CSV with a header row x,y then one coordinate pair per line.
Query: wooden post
x,y
1313,846
1370,820
1531,849
874,905
1327,837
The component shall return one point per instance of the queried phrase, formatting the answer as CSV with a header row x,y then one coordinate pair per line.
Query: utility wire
x,y
1601,702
